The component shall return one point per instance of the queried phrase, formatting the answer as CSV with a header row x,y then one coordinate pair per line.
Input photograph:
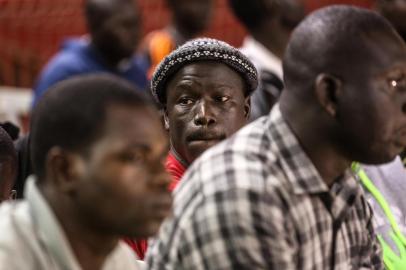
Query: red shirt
x,y
176,170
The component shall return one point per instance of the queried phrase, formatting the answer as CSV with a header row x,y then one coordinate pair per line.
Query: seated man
x,y
97,149
204,87
8,165
280,194
114,35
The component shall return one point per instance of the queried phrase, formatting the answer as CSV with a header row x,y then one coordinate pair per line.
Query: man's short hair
x,y
72,114
328,39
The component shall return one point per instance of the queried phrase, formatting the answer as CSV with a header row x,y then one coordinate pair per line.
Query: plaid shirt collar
x,y
295,161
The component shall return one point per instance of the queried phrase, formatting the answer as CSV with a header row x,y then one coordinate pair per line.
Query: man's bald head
x,y
344,71
332,40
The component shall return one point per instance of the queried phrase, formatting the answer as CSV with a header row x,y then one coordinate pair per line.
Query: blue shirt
x,y
77,56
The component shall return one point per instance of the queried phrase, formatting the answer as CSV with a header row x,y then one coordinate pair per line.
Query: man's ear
x,y
247,107
328,90
63,168
166,119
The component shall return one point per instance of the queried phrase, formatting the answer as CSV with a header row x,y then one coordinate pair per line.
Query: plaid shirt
x,y
256,201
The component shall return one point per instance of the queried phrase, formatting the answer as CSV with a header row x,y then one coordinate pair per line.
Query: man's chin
x,y
149,229
198,147
381,158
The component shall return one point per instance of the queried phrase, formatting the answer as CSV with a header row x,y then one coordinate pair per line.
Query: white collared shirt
x,y
32,238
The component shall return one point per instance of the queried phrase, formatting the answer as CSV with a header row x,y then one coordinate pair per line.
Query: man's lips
x,y
205,136
205,139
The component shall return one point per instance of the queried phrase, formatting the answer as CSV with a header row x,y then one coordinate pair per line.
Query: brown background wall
x,y
31,30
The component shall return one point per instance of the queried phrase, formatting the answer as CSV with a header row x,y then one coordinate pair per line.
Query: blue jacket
x,y
78,56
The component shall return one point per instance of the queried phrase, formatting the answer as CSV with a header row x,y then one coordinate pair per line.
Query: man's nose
x,y
204,115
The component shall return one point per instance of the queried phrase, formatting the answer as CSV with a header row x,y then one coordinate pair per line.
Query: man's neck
x,y
330,164
177,156
111,61
91,248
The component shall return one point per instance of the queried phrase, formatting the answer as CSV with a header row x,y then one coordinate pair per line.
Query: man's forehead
x,y
205,68
132,114
372,53
135,124
387,50
215,74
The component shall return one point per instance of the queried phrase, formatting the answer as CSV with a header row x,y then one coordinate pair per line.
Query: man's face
x,y
373,114
119,34
193,15
123,186
205,104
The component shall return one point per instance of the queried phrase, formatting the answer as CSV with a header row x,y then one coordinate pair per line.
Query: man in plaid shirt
x,y
279,193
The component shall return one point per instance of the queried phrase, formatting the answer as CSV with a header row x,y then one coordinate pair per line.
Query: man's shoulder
x,y
17,236
13,214
75,55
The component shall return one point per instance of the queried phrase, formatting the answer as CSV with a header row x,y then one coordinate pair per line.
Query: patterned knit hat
x,y
198,50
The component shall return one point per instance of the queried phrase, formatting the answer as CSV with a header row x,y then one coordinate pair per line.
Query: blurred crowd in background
x,y
32,31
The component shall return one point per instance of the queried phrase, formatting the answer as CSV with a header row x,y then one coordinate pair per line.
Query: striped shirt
x,y
256,201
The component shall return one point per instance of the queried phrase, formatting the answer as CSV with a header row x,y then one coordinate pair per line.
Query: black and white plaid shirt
x,y
256,201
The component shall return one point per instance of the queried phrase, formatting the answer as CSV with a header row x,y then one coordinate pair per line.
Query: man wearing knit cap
x,y
204,87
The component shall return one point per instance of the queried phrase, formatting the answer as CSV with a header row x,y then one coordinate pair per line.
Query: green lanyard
x,y
391,259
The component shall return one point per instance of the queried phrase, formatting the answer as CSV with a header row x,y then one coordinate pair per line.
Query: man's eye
x,y
131,157
397,84
222,98
186,101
